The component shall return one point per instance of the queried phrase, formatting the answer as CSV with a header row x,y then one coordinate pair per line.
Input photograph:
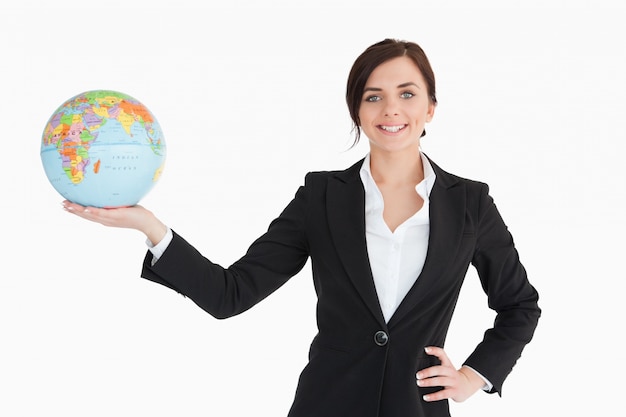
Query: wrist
x,y
155,230
474,379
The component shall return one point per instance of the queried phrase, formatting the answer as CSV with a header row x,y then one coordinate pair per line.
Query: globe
x,y
103,148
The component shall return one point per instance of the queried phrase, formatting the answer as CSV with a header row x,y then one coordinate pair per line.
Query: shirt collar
x,y
423,188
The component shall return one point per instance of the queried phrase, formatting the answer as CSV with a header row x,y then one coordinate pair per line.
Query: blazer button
x,y
381,338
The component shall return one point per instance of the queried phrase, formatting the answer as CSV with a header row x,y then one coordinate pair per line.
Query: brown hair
x,y
371,58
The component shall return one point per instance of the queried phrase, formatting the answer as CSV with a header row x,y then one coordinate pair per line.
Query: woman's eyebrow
x,y
403,85
408,84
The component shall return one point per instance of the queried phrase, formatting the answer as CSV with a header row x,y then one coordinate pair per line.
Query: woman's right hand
x,y
136,217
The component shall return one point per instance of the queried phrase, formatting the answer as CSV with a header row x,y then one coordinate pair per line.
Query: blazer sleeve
x,y
510,295
270,261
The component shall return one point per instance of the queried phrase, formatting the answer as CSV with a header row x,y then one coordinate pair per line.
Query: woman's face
x,y
395,106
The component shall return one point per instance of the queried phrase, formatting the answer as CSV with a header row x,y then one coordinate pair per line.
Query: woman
x,y
390,240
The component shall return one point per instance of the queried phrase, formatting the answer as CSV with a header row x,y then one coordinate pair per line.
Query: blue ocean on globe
x,y
103,148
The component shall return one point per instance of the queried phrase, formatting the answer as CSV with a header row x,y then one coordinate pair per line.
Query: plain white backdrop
x,y
251,97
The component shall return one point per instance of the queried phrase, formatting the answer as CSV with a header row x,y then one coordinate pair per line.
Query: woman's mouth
x,y
392,128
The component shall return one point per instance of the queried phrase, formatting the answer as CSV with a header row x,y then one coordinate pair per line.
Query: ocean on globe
x,y
103,148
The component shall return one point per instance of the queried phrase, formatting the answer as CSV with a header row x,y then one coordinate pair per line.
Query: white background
x,y
251,97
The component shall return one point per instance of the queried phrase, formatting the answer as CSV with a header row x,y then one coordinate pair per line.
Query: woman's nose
x,y
391,107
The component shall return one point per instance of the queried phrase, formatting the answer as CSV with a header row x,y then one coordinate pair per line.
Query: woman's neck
x,y
397,167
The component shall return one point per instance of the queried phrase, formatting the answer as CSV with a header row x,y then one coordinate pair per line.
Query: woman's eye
x,y
407,94
372,98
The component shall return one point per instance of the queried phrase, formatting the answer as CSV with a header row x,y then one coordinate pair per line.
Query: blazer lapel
x,y
447,219
345,206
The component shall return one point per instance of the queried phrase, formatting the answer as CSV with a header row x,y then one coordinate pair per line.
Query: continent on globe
x,y
103,148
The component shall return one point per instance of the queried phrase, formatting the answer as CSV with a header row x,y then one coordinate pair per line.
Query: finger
x,y
440,353
436,381
437,395
69,206
75,208
434,371
88,213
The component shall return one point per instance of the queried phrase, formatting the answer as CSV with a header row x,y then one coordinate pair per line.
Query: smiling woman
x,y
396,106
377,55
390,241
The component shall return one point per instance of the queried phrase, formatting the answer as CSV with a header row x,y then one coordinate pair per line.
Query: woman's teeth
x,y
391,129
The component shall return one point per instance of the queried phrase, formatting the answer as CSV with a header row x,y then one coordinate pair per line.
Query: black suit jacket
x,y
360,366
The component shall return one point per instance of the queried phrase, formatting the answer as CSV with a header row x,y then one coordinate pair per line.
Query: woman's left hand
x,y
458,385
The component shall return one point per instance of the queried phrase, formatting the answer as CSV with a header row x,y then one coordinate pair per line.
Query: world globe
x,y
104,149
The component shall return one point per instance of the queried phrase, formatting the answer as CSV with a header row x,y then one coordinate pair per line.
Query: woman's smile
x,y
392,128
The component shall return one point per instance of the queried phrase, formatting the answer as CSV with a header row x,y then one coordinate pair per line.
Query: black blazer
x,y
360,366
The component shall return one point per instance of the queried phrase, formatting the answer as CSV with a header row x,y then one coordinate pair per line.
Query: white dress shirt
x,y
158,249
396,258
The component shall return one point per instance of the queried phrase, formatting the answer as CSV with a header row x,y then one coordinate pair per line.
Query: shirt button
x,y
381,338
